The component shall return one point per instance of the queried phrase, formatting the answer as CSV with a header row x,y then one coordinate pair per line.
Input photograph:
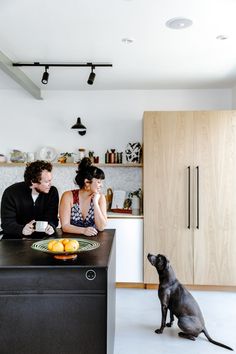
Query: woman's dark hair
x,y
87,171
34,171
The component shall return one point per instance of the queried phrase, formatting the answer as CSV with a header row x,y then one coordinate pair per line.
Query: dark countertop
x,y
18,253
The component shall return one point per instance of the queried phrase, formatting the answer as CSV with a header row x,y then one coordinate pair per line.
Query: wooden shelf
x,y
119,164
9,164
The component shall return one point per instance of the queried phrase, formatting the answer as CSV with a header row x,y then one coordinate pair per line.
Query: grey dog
x,y
178,300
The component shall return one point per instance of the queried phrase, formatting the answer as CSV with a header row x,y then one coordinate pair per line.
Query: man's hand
x,y
28,228
49,230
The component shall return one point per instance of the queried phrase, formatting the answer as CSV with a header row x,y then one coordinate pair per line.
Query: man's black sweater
x,y
18,209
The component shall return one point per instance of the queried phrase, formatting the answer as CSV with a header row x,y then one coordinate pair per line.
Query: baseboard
x,y
130,285
190,287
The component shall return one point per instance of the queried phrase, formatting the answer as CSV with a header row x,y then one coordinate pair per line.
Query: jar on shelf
x,y
81,154
107,157
119,158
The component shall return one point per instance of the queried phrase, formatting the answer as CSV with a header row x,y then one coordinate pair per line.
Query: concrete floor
x,y
138,314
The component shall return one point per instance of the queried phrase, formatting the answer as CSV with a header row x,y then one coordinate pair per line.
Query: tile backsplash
x,y
117,178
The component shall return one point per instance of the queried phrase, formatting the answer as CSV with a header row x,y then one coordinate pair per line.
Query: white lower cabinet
x,y
129,249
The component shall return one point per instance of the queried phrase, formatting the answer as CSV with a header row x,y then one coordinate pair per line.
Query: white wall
x,y
112,118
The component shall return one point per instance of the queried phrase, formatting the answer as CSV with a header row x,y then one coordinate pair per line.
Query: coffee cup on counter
x,y
40,226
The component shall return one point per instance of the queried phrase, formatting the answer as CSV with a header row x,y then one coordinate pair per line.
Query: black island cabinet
x,y
51,306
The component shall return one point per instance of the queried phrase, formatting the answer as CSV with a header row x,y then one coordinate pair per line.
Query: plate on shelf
x,y
47,154
84,246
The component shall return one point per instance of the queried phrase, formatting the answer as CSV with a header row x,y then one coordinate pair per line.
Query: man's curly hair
x,y
34,171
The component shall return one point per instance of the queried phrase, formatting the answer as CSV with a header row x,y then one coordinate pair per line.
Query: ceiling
x,y
78,31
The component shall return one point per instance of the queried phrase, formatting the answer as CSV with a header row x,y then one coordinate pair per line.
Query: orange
x,y
50,244
58,247
71,246
65,241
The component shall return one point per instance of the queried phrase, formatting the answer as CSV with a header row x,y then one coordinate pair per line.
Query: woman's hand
x,y
90,231
96,198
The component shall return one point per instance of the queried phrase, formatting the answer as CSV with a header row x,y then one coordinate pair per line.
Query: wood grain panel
x,y
215,241
168,151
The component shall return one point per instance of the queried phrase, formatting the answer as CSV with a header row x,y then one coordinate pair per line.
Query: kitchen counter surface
x,y
111,215
18,253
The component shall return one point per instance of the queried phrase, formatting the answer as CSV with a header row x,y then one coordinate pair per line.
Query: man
x,y
25,202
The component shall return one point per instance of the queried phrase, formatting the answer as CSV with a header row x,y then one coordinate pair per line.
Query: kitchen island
x,y
52,306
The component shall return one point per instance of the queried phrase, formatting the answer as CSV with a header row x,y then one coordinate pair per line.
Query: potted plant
x,y
66,157
91,155
136,198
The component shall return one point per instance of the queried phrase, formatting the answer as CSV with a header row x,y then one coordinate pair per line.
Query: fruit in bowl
x,y
63,245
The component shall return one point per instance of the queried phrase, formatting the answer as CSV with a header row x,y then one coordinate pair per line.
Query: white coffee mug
x,y
41,226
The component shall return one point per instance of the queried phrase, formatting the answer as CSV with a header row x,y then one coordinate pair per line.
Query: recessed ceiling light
x,y
221,37
179,23
127,40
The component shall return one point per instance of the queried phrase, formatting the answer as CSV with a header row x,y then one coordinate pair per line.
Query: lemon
x,y
65,241
71,246
58,247
50,244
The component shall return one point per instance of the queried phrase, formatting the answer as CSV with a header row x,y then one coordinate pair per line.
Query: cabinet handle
x,y
189,197
197,169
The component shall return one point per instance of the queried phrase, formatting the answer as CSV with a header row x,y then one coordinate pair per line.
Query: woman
x,y
83,210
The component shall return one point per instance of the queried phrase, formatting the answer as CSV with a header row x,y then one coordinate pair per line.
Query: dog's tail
x,y
213,341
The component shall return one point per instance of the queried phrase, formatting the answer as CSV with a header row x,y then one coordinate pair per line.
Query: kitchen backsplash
x,y
117,178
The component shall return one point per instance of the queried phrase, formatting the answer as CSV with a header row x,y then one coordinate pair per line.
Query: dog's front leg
x,y
169,324
164,296
164,309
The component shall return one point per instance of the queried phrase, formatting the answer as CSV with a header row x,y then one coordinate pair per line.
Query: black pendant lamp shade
x,y
80,127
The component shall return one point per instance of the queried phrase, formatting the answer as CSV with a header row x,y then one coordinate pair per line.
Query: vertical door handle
x,y
189,197
197,169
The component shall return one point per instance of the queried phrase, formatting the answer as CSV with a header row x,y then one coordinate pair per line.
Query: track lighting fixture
x,y
91,76
78,125
47,65
45,76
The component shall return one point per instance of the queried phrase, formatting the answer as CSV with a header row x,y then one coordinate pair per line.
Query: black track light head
x,y
45,76
92,76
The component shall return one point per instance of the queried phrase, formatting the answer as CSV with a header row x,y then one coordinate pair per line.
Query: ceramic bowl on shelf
x,y
47,154
18,156
3,158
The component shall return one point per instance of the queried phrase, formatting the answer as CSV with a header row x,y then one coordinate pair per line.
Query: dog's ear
x,y
167,263
161,262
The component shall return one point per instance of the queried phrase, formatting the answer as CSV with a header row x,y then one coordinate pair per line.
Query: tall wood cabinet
x,y
190,194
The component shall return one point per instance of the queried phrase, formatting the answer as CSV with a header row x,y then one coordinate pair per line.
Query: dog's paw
x,y
186,335
169,324
158,330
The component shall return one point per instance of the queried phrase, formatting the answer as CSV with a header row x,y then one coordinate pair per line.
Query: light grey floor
x,y
138,315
